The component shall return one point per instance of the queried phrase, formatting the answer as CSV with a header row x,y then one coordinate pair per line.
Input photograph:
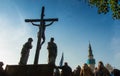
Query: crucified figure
x,y
41,34
43,27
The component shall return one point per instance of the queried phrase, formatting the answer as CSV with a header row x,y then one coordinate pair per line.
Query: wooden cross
x,y
41,33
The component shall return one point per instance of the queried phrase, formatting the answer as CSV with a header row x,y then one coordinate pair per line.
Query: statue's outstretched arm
x,y
35,24
50,23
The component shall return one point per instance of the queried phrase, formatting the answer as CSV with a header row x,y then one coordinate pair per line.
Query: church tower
x,y
91,60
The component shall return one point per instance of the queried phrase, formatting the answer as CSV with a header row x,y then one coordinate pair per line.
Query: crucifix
x,y
41,33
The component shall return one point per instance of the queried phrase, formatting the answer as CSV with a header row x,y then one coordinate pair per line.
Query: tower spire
x,y
91,60
90,50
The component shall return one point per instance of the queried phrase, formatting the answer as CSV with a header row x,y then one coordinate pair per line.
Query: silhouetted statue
x,y
25,52
52,52
43,27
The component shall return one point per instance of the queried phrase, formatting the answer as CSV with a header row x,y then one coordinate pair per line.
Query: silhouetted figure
x,y
95,70
101,70
25,52
66,70
43,27
52,52
116,72
76,72
78,69
2,72
86,71
57,72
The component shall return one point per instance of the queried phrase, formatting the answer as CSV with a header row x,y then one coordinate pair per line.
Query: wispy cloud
x,y
116,43
13,32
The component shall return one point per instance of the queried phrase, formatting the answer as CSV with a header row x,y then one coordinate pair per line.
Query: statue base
x,y
29,70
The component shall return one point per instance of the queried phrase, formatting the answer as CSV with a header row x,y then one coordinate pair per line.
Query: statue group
x,y
52,47
23,69
52,52
41,33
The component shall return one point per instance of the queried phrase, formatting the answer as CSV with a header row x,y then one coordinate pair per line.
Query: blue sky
x,y
78,24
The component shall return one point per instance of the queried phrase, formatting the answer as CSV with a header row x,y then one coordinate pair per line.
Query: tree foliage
x,y
105,6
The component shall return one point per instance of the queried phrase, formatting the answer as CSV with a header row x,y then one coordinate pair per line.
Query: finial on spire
x,y
89,46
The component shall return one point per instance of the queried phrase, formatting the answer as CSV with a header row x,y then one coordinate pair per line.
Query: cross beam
x,y
41,31
39,20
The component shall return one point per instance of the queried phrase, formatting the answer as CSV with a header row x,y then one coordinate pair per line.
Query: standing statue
x,y
25,52
52,52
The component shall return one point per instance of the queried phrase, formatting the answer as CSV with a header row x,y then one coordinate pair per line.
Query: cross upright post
x,y
39,38
41,32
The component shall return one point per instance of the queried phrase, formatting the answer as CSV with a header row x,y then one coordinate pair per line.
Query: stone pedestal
x,y
29,70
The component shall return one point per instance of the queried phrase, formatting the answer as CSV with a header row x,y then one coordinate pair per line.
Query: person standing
x,y
56,72
86,71
2,72
101,70
25,52
52,52
78,69
66,70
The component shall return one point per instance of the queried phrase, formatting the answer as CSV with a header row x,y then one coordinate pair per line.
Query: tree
x,y
105,6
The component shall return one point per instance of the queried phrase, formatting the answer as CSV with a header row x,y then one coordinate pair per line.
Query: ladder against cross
x,y
41,25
